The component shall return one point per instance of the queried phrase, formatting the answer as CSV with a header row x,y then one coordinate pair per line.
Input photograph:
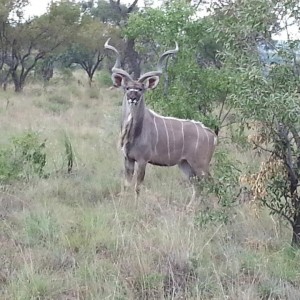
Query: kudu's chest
x,y
125,139
130,135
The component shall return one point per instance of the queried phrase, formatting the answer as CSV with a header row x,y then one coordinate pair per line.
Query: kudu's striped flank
x,y
147,137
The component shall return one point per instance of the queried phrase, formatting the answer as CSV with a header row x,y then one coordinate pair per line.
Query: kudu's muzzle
x,y
133,96
132,101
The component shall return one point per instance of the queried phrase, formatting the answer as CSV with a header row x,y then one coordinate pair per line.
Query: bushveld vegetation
x,y
74,235
69,231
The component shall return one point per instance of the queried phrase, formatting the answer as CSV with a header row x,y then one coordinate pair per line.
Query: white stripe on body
x,y
185,120
156,135
129,118
182,150
196,147
168,140
174,145
206,136
181,120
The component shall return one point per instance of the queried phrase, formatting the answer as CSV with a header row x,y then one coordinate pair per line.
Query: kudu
x,y
147,137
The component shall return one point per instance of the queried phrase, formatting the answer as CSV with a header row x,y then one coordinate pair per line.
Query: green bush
x,y
224,187
67,75
58,103
41,228
23,158
104,78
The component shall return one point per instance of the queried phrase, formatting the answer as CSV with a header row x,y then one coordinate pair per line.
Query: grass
x,y
77,236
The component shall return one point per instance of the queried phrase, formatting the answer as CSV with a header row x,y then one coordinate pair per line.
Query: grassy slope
x,y
78,237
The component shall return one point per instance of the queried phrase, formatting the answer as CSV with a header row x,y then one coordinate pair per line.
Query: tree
x,y
111,12
194,83
87,50
45,68
30,41
11,13
115,13
269,100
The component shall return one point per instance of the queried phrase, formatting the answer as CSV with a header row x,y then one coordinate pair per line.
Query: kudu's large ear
x,y
151,82
118,80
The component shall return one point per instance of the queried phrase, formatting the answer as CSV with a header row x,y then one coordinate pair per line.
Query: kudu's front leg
x,y
129,170
140,174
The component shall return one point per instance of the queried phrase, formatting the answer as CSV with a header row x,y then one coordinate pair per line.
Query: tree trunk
x,y
90,75
47,72
4,80
18,82
18,85
296,231
285,147
166,82
132,59
296,218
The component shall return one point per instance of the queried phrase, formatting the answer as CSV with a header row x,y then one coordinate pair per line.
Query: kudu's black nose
x,y
132,97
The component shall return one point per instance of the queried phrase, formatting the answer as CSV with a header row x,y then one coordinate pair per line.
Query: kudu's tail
x,y
217,130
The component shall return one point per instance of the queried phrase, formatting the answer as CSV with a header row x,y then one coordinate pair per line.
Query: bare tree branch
x,y
280,212
132,6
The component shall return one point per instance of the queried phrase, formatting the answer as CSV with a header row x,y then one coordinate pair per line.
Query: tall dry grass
x,y
77,236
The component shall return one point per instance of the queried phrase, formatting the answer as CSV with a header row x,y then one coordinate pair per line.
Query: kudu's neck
x,y
133,116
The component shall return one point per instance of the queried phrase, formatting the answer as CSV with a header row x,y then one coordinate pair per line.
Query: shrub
x,y
23,158
41,228
58,103
224,187
67,75
104,78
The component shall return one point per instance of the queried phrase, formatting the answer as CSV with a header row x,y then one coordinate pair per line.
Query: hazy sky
x,y
37,7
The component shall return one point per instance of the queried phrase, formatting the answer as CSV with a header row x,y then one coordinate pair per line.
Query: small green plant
x,y
41,228
269,289
104,78
58,103
31,152
149,286
224,187
23,158
67,75
69,153
29,284
226,178
211,216
9,168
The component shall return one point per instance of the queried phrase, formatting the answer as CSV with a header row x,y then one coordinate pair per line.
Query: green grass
x,y
76,235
